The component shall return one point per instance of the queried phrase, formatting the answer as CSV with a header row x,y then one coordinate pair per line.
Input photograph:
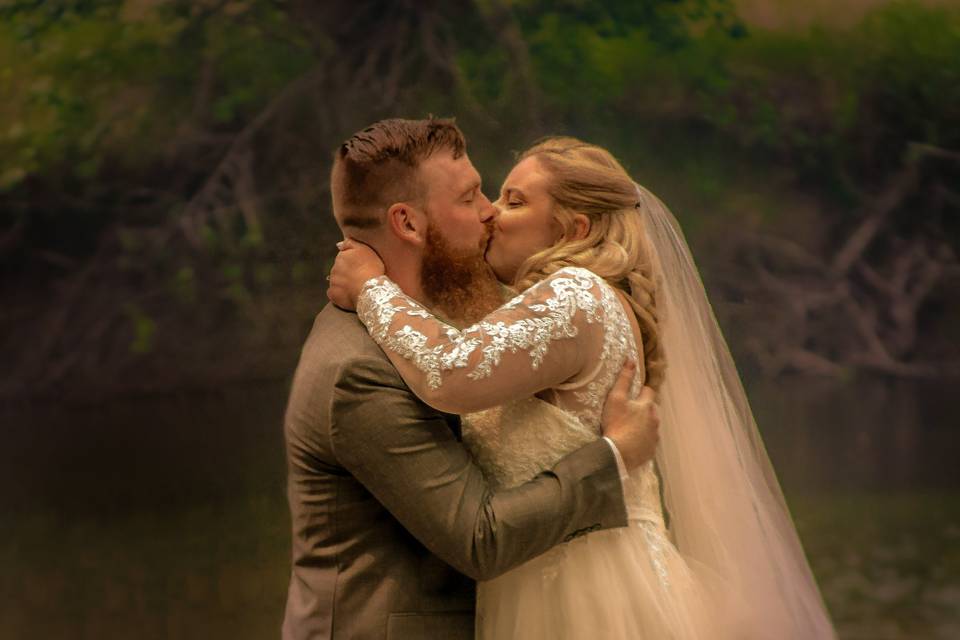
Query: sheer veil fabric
x,y
724,504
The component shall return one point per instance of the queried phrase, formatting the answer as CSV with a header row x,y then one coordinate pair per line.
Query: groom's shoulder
x,y
338,353
333,323
338,341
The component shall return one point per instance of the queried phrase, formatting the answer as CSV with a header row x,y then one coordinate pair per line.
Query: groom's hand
x,y
355,264
632,424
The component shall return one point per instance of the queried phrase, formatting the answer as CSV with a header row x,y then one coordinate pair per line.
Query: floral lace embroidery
x,y
655,542
617,343
381,300
376,310
515,451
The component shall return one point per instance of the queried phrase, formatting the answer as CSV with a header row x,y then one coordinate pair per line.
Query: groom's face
x,y
457,208
454,275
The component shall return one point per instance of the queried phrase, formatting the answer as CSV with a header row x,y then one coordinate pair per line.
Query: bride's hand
x,y
355,264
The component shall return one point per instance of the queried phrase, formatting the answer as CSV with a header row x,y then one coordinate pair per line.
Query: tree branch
x,y
217,187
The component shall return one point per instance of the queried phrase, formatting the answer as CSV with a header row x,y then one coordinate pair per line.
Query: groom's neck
x,y
469,305
460,311
458,301
405,272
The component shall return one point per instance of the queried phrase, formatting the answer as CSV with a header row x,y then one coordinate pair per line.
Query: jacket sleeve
x,y
405,454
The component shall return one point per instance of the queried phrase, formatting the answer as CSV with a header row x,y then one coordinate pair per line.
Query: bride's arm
x,y
540,339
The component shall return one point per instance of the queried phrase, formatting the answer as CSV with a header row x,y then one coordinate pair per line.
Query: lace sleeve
x,y
540,339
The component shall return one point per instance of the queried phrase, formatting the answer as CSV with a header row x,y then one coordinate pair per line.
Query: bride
x,y
605,276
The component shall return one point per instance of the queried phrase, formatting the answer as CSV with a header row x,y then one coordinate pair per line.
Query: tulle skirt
x,y
628,582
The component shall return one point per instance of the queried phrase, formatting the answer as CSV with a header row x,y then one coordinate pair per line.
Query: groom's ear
x,y
408,223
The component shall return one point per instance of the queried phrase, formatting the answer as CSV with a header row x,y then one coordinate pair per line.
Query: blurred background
x,y
165,231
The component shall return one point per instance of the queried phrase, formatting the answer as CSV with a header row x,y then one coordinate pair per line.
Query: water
x,y
164,516
867,435
872,476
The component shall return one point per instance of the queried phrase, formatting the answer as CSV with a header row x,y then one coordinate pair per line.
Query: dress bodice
x,y
565,339
514,442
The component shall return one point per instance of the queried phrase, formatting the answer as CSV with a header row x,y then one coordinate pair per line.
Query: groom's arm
x,y
406,456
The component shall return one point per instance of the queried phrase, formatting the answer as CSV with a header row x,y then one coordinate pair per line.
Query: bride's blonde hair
x,y
587,179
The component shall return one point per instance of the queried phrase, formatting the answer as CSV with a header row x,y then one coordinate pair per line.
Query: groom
x,y
392,520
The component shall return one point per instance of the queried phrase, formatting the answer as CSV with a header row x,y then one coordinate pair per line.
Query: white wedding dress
x,y
615,583
730,564
565,340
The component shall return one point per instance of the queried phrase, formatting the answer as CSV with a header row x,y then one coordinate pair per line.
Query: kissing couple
x,y
531,427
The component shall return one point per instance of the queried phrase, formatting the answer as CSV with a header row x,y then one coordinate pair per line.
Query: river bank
x,y
164,515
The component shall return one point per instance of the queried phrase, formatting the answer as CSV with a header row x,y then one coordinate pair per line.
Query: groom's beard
x,y
459,285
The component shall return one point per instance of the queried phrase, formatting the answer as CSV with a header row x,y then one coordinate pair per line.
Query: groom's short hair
x,y
377,167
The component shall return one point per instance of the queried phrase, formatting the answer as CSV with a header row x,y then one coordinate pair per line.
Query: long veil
x,y
725,506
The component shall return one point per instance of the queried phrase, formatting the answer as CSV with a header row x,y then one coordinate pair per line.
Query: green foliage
x,y
587,55
911,81
669,24
91,82
249,67
843,104
839,106
111,83
118,112
76,84
580,67
184,285
144,328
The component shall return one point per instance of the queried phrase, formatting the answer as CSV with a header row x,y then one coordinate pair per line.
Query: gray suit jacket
x,y
392,521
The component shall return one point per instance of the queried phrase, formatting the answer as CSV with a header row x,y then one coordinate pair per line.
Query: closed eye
x,y
470,194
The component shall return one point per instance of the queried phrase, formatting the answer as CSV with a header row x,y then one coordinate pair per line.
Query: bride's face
x,y
525,223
